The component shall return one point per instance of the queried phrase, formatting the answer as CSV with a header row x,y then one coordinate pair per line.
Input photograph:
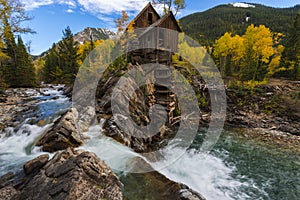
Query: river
x,y
237,167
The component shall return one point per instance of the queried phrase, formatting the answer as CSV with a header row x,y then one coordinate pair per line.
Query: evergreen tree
x,y
25,73
3,59
68,55
290,61
10,65
52,67
207,26
12,14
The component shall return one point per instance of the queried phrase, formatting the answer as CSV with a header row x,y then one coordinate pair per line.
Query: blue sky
x,y
51,17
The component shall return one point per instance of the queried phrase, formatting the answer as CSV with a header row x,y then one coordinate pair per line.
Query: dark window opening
x,y
150,18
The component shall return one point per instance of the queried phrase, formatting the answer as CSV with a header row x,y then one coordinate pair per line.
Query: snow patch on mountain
x,y
242,5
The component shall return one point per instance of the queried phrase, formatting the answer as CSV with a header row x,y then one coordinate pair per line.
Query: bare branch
x,y
170,5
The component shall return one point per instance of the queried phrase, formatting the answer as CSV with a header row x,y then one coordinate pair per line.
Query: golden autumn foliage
x,y
85,48
259,43
122,22
251,56
194,54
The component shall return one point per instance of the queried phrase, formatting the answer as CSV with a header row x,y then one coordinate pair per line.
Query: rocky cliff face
x,y
140,103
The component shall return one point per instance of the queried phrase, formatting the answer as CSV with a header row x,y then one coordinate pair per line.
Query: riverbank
x,y
17,104
273,107
277,139
13,103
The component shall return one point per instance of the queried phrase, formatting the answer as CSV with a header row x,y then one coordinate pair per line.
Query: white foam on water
x,y
116,155
205,173
202,172
18,147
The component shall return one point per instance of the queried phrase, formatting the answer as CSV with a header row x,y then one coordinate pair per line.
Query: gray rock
x,y
63,134
189,194
86,117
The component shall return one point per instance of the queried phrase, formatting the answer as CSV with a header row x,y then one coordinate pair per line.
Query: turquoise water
x,y
267,172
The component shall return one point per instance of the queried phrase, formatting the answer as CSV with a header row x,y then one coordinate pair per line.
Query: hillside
x,y
209,25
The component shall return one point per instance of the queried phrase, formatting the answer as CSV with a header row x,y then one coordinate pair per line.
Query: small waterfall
x,y
202,172
116,155
18,147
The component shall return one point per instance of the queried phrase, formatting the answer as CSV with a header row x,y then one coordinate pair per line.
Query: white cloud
x,y
102,9
70,3
93,6
69,11
111,6
32,4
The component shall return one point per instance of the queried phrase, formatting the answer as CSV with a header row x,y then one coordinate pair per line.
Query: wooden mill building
x,y
155,41
156,37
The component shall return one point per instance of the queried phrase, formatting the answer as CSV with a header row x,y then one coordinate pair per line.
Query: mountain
x,y
86,35
94,33
209,25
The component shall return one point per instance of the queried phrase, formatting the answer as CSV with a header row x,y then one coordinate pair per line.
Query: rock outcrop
x,y
70,174
67,130
63,134
128,128
155,186
8,193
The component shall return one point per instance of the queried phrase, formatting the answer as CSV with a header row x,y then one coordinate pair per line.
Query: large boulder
x,y
67,131
63,134
154,185
70,174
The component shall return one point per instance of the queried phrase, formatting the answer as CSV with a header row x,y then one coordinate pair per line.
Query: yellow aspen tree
x,y
258,51
230,50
